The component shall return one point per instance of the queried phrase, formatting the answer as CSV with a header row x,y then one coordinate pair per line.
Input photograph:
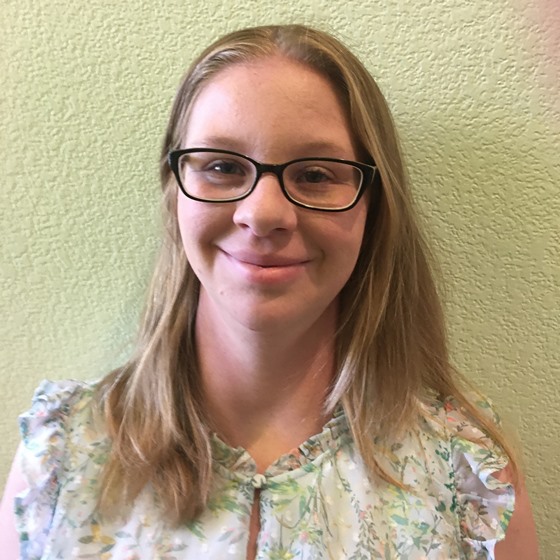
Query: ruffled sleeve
x,y
484,504
43,430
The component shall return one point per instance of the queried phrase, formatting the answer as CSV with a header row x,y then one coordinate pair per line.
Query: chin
x,y
284,316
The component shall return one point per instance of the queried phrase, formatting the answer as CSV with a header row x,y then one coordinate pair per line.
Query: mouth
x,y
266,261
266,269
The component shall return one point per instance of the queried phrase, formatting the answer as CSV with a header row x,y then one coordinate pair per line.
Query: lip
x,y
266,269
264,260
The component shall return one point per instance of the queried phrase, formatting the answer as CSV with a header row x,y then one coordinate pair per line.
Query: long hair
x,y
391,342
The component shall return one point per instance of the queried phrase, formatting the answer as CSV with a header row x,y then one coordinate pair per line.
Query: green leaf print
x,y
400,520
195,527
86,540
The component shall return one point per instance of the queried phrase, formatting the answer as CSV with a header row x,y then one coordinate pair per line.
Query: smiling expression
x,y
262,261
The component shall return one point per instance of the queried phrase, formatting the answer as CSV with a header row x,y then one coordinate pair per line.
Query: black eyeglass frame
x,y
368,176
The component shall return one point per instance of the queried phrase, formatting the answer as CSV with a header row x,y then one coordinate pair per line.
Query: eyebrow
x,y
314,147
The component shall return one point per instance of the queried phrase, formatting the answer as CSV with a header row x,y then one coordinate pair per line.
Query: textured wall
x,y
86,87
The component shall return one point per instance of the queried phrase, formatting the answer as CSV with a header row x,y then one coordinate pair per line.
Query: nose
x,y
266,209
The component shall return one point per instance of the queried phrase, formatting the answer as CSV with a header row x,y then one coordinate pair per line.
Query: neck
x,y
265,390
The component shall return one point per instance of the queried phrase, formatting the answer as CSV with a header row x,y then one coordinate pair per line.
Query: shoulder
x,y
55,401
472,453
60,432
461,429
484,500
61,413
52,398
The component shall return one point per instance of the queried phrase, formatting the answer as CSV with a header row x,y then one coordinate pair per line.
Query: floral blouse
x,y
316,503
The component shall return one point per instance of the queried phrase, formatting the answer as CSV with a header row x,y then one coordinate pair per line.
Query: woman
x,y
291,394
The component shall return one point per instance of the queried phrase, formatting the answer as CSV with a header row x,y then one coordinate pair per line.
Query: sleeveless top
x,y
316,503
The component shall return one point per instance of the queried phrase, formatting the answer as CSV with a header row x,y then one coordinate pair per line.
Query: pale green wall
x,y
86,87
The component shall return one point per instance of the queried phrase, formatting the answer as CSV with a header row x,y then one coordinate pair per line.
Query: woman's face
x,y
262,261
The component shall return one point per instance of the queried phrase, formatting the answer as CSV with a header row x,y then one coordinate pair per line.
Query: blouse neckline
x,y
237,464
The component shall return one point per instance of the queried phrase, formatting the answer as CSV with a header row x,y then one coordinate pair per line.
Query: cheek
x,y
201,225
354,228
184,217
193,225
356,239
343,242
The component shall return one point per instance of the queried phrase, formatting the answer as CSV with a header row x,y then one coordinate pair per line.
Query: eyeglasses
x,y
328,184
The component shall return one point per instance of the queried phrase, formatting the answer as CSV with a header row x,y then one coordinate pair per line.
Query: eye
x,y
312,174
224,167
315,175
219,169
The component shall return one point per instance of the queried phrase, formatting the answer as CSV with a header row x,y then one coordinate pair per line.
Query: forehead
x,y
265,100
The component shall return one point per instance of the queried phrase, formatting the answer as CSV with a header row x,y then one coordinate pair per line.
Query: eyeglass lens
x,y
216,176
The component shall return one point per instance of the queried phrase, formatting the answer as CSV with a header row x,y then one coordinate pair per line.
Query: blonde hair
x,y
391,344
